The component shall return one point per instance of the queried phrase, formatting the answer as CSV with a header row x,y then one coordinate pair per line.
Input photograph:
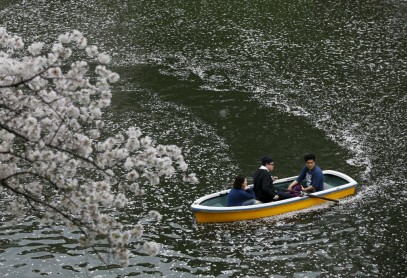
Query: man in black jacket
x,y
263,183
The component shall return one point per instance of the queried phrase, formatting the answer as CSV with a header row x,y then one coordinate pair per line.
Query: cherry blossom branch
x,y
51,151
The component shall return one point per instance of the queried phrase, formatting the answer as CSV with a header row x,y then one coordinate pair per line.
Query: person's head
x,y
239,182
268,162
310,161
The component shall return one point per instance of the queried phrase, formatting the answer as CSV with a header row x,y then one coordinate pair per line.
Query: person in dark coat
x,y
241,194
263,183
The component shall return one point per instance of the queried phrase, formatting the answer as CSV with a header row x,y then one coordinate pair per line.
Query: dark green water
x,y
230,81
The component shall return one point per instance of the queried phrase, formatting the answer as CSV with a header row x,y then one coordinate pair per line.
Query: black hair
x,y
309,156
266,160
239,180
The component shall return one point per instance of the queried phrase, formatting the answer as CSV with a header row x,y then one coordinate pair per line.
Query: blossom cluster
x,y
55,158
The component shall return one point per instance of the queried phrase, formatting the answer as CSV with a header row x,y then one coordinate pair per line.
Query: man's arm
x,y
307,189
300,177
317,180
294,183
267,186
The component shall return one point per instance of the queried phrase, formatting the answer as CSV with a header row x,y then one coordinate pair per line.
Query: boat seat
x,y
327,186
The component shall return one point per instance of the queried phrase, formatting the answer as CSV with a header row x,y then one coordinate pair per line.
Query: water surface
x,y
230,82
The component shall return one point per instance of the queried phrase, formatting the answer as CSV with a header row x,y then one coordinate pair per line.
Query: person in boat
x,y
312,174
263,183
241,194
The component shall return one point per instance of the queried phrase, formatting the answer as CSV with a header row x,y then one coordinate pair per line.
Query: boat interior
x,y
329,182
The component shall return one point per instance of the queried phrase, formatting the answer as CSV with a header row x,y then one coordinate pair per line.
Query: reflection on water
x,y
229,82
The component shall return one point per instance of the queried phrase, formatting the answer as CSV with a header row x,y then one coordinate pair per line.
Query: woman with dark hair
x,y
241,194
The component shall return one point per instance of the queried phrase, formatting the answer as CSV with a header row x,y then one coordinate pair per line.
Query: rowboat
x,y
213,207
